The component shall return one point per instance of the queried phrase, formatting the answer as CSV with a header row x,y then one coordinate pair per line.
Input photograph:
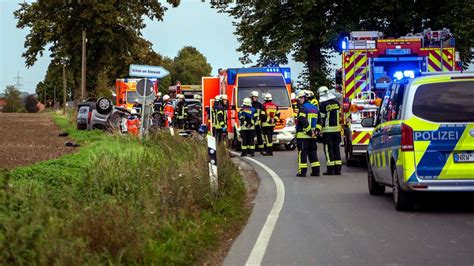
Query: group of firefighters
x,y
315,122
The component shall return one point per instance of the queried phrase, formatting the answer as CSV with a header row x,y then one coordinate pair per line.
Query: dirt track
x,y
29,138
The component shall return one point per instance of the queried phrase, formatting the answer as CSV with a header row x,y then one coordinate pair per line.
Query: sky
x,y
193,23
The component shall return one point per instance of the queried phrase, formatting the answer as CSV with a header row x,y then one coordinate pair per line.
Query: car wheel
x,y
401,198
375,188
104,106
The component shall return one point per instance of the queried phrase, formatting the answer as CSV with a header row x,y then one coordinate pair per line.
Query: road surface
x,y
333,220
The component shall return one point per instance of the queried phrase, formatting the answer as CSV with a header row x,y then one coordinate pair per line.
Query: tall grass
x,y
118,201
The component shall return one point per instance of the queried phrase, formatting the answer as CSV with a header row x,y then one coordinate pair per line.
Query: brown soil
x,y
252,182
29,138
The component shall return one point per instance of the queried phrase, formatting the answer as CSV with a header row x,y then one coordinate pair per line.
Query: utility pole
x,y
83,67
18,79
64,86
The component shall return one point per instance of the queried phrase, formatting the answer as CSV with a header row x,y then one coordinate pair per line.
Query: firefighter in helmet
x,y
269,117
331,130
220,117
307,130
168,110
181,112
258,126
248,118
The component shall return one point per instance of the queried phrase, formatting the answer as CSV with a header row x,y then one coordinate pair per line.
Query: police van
x,y
423,138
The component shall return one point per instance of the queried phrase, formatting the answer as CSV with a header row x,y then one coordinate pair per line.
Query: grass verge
x,y
118,201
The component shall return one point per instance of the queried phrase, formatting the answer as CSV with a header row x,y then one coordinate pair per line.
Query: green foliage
x,y
53,83
13,98
118,201
309,30
190,66
113,30
31,104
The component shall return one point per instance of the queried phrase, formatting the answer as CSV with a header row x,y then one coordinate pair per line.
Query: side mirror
x,y
368,122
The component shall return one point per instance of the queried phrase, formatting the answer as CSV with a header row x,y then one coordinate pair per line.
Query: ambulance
x,y
238,83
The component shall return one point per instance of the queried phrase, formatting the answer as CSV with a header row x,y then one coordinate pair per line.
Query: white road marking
x,y
260,247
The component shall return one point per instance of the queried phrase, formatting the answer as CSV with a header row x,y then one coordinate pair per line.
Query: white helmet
x,y
224,97
310,93
133,112
197,97
302,93
323,90
181,96
293,96
268,97
166,97
254,94
159,94
217,98
247,101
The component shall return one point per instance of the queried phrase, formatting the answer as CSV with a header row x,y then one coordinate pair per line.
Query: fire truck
x,y
238,83
371,62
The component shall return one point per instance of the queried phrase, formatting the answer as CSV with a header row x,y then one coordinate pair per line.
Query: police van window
x,y
385,104
396,100
445,102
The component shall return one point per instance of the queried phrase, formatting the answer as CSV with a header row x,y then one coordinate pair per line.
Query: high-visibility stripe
x,y
361,137
447,62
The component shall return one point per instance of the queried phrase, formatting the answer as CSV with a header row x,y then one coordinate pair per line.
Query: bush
x,y
30,104
118,201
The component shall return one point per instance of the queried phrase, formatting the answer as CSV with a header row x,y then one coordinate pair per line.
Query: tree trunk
x,y
313,62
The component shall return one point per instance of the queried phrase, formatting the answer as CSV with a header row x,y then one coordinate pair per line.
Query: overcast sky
x,y
192,23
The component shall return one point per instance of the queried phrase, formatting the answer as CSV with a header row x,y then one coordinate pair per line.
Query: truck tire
x,y
104,106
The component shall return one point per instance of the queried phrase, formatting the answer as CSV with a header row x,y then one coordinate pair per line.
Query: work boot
x,y
337,169
330,171
244,153
302,173
315,171
268,152
252,153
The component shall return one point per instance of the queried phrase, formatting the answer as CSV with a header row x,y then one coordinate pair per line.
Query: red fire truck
x,y
371,62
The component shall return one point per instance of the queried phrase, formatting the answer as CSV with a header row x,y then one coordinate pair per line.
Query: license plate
x,y
463,157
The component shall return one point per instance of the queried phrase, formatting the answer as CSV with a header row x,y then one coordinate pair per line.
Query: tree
x,y
113,29
305,29
190,66
53,83
31,104
13,99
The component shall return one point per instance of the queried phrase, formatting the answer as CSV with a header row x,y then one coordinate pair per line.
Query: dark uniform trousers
x,y
248,142
307,148
332,150
268,135
258,132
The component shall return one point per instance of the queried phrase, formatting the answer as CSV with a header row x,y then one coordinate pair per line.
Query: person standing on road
x,y
269,116
220,118
258,106
248,118
307,130
331,130
158,103
181,112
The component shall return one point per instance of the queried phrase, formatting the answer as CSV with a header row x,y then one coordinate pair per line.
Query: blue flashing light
x,y
344,43
398,75
409,74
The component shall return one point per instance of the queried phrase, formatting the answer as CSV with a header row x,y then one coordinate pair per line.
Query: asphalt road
x,y
332,220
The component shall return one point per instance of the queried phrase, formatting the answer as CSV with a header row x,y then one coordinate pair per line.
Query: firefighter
x,y
269,116
311,98
258,106
133,122
307,130
219,117
158,103
294,104
181,112
168,111
331,130
248,118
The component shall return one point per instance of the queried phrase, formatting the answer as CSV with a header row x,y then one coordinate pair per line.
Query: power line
x,y
18,84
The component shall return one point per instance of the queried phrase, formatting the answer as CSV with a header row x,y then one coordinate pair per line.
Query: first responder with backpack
x,y
269,117
247,119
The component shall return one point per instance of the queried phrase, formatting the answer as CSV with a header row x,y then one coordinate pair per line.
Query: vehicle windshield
x,y
132,96
279,95
445,102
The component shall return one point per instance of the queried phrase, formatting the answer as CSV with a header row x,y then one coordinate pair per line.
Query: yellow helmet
x,y
247,101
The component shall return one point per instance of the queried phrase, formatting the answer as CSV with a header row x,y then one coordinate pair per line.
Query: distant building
x,y
3,102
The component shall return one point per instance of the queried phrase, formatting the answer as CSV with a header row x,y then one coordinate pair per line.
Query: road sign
x,y
144,87
147,71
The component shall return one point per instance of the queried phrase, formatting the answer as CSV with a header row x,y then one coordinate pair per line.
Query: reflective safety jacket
x,y
181,111
219,116
248,117
307,125
133,124
258,106
269,115
329,116
168,111
313,101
